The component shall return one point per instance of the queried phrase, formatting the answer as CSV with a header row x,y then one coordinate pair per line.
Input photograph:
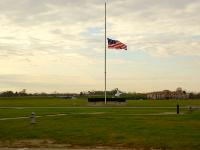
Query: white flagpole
x,y
105,53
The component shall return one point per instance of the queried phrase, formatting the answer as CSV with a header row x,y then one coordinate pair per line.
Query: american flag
x,y
116,44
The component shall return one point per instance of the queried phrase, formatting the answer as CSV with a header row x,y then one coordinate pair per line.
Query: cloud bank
x,y
42,40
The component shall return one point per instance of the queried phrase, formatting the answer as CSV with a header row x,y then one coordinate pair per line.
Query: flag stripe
x,y
116,44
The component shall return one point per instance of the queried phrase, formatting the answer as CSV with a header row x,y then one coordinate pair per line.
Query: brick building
x,y
166,94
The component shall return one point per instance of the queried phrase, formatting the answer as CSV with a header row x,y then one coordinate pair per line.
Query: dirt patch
x,y
36,143
46,143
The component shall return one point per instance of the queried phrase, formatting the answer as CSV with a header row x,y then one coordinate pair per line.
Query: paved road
x,y
94,113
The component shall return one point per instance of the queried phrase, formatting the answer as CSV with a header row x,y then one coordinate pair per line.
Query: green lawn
x,y
60,102
158,128
40,102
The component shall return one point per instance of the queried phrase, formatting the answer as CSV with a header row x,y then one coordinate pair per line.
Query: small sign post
x,y
177,109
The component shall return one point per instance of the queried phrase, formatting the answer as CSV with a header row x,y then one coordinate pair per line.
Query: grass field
x,y
60,102
129,126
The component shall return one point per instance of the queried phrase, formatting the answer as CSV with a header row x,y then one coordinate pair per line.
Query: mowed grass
x,y
61,102
158,128
40,102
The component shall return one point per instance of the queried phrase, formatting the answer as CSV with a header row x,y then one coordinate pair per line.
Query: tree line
x,y
24,93
111,93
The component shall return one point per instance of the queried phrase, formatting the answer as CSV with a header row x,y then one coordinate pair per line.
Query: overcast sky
x,y
58,45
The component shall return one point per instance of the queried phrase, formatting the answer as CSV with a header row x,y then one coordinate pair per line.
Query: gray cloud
x,y
67,35
148,22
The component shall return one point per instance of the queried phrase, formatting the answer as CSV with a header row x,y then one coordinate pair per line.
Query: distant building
x,y
166,94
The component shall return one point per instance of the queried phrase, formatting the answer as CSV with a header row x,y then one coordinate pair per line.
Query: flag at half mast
x,y
116,44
